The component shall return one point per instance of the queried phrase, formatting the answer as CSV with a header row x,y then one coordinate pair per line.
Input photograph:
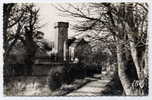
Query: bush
x,y
56,77
75,71
114,87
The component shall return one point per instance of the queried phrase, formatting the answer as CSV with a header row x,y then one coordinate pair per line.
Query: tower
x,y
61,36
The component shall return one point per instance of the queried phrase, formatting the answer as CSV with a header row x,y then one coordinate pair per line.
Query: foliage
x,y
16,18
56,77
20,26
124,24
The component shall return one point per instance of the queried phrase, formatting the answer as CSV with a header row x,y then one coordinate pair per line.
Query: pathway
x,y
93,88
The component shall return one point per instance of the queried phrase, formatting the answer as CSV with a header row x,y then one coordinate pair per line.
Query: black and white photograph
x,y
75,49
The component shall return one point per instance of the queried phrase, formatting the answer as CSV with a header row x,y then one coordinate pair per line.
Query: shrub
x,y
56,77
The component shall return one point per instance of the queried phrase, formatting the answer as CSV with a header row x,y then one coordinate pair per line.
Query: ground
x,y
37,86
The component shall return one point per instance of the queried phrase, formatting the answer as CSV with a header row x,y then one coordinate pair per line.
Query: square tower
x,y
61,36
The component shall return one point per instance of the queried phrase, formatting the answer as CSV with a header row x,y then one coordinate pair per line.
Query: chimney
x,y
61,36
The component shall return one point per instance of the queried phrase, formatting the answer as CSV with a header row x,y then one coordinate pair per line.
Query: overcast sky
x,y
48,16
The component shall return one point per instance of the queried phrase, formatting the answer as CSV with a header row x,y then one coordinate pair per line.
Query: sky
x,y
49,15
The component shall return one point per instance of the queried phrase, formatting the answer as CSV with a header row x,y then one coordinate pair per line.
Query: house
x,y
69,49
79,50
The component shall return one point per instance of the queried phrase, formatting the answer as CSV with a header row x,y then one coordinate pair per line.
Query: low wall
x,y
43,69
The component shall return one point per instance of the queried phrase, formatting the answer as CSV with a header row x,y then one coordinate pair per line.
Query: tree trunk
x,y
145,58
30,47
6,14
121,71
134,54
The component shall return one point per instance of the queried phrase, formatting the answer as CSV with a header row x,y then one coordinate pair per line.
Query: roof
x,y
78,41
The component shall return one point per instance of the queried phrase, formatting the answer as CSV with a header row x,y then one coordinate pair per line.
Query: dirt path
x,y
93,88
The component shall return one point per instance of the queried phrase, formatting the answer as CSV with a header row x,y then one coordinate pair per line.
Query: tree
x,y
126,26
9,22
20,25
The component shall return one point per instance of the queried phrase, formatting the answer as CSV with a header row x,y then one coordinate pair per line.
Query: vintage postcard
x,y
76,49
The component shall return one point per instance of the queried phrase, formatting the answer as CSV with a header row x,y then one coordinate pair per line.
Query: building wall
x,y
81,51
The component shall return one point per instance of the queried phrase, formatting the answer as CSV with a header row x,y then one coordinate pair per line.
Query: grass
x,y
37,86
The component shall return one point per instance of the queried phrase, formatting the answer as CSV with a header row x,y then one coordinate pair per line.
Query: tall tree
x,y
126,24
20,25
